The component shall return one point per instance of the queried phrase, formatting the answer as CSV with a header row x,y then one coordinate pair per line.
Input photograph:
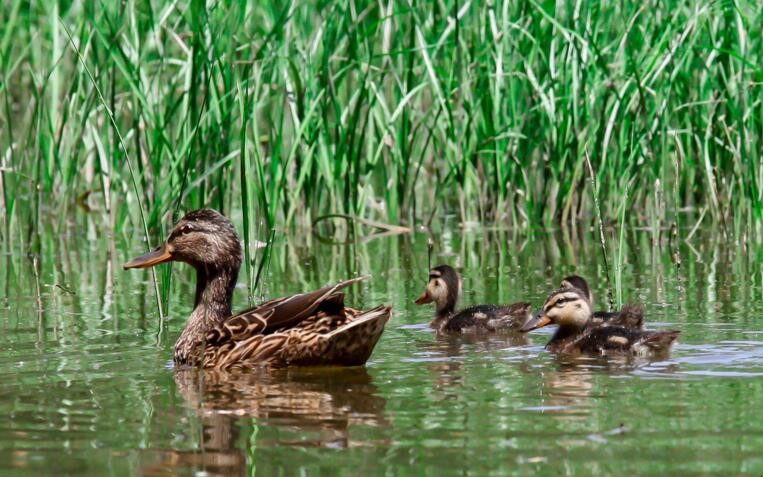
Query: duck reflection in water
x,y
303,407
445,355
569,388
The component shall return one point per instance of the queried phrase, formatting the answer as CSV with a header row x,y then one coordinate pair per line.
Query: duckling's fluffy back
x,y
488,318
612,339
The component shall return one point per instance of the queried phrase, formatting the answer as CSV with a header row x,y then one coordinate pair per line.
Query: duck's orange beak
x,y
538,321
158,255
424,298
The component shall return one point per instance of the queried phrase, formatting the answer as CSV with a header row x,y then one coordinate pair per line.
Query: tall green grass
x,y
282,112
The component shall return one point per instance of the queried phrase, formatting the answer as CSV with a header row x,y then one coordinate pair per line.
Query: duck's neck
x,y
214,291
212,305
446,308
563,334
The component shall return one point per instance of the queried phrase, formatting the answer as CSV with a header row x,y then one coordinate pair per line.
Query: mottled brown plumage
x,y
569,307
306,329
444,289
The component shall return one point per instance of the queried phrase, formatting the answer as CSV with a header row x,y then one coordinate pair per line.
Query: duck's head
x,y
567,307
576,281
443,288
203,238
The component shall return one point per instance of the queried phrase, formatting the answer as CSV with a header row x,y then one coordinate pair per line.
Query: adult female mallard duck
x,y
312,328
579,332
630,316
444,289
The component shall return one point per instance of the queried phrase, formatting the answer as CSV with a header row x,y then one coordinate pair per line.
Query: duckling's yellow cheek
x,y
436,291
431,289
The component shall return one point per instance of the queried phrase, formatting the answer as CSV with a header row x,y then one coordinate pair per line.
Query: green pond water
x,y
87,386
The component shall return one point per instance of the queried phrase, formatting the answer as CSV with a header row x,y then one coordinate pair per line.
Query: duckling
x,y
579,332
629,316
444,289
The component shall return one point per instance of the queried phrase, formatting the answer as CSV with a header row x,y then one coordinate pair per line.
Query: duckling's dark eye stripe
x,y
560,301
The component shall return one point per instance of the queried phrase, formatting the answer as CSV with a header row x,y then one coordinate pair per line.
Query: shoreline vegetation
x,y
287,112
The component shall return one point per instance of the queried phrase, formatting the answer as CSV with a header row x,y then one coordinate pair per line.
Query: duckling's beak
x,y
538,321
424,298
158,255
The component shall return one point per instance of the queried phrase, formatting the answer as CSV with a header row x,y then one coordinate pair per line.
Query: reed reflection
x,y
217,454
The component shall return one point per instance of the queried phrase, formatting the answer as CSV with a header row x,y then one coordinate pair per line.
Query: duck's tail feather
x,y
660,341
630,316
352,343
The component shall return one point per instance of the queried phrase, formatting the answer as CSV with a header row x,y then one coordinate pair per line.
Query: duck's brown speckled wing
x,y
349,344
298,329
280,313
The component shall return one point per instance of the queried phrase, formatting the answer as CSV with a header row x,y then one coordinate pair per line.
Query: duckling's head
x,y
203,238
443,288
576,281
568,307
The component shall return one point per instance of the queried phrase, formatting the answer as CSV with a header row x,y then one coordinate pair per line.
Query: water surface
x,y
87,386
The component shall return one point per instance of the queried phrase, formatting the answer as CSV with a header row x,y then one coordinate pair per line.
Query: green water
x,y
87,387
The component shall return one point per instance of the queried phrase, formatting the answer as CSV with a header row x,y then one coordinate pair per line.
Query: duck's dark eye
x,y
181,231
